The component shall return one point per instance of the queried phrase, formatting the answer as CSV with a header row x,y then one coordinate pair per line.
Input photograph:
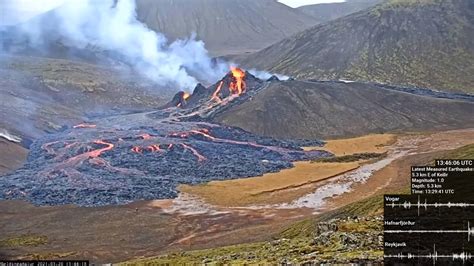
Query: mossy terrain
x,y
423,43
351,158
350,234
301,242
24,240
466,152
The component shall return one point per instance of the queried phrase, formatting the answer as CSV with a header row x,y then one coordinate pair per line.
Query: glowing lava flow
x,y
98,152
237,86
186,96
69,166
215,95
154,148
194,151
205,133
137,149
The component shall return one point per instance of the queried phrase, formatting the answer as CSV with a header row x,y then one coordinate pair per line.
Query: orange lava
x,y
237,86
137,149
215,95
98,152
194,151
203,132
186,96
154,148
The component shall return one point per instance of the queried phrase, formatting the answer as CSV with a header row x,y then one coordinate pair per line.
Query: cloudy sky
x,y
297,3
14,11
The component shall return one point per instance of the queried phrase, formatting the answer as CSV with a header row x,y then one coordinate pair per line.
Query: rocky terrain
x,y
226,26
101,165
426,43
335,241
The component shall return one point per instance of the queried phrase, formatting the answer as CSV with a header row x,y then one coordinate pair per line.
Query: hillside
x,y
305,109
12,156
330,11
41,95
427,43
226,26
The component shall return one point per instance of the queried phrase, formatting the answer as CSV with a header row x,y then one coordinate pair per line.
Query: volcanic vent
x,y
120,159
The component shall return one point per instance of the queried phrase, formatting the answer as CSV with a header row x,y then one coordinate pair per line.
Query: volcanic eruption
x,y
120,159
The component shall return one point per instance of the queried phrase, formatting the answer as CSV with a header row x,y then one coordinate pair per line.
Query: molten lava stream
x,y
137,149
186,96
91,154
154,148
205,133
215,95
194,151
237,86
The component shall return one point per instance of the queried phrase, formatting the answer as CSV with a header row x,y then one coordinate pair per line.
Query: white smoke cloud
x,y
265,75
112,25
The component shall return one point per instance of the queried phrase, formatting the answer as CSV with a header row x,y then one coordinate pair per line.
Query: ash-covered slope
x,y
12,155
426,43
329,11
226,26
42,95
306,109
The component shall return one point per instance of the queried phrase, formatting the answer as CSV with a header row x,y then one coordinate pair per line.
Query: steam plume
x,y
112,25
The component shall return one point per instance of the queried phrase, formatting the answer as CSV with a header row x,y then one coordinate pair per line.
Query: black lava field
x,y
144,156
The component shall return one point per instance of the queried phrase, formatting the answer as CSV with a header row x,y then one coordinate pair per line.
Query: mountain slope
x,y
315,109
226,26
330,11
428,43
41,95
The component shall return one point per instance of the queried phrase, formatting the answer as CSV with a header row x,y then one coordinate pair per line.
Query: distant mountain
x,y
330,11
226,26
428,43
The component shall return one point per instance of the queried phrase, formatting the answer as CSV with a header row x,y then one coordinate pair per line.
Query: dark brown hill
x,y
304,109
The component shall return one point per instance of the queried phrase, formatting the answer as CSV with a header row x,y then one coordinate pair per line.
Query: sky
x,y
298,3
